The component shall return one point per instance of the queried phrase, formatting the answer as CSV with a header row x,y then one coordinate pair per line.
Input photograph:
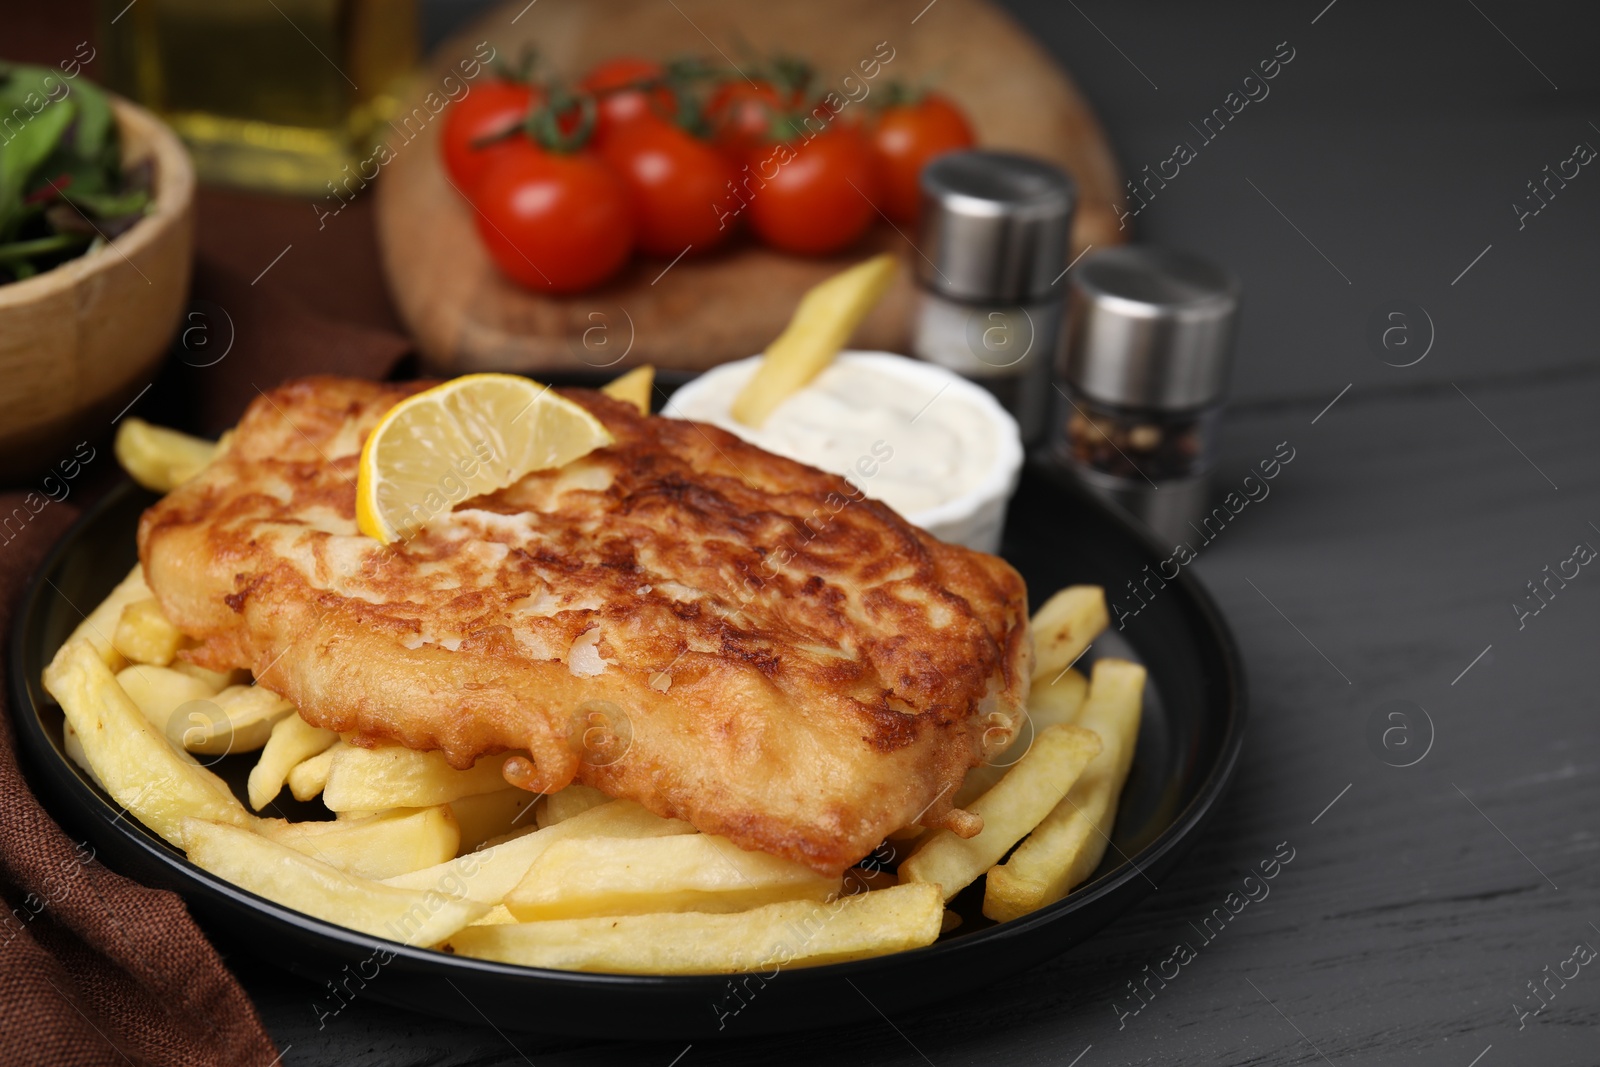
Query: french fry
x,y
378,846
217,680
73,747
137,765
795,932
291,743
1048,705
145,635
496,915
309,778
158,458
563,804
1014,806
824,320
490,873
582,877
238,719
160,691
394,777
199,719
1064,626
298,881
1067,846
491,815
633,387
99,627
859,879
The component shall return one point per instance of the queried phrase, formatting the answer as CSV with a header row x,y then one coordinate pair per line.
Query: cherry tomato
x,y
554,221
741,114
680,187
490,109
813,197
621,102
904,139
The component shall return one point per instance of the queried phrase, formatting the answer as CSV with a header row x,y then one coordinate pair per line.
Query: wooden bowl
x,y
78,342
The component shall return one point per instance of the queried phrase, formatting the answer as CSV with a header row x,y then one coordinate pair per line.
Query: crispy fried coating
x,y
681,619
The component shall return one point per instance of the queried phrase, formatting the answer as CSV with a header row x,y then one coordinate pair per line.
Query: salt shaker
x,y
1150,342
993,243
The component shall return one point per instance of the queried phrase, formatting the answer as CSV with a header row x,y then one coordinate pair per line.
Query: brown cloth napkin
x,y
95,968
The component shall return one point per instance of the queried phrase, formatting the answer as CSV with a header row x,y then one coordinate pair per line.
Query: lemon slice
x,y
469,436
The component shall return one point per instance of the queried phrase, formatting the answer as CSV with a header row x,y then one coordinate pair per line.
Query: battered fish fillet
x,y
767,654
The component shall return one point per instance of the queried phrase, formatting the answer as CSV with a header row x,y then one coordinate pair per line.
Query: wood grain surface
x,y
728,305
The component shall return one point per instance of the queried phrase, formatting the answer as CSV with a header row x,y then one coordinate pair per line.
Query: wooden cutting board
x,y
704,311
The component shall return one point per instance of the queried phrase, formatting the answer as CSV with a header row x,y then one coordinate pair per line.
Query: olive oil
x,y
277,95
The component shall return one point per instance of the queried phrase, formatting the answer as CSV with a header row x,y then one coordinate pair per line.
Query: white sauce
x,y
908,439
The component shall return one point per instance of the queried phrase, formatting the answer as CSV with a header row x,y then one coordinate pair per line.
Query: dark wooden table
x,y
1382,575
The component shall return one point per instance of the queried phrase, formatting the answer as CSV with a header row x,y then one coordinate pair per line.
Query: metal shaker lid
x,y
1151,328
995,226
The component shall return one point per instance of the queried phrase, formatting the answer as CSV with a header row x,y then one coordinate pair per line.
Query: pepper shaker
x,y
1146,369
993,243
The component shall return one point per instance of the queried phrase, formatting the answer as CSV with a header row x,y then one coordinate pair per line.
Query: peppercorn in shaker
x,y
993,243
1146,367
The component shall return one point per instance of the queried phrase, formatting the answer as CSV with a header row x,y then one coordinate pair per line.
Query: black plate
x,y
1056,535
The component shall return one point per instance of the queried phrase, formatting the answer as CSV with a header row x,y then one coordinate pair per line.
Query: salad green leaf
x,y
62,185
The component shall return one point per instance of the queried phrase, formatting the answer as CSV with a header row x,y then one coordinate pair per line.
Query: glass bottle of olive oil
x,y
276,95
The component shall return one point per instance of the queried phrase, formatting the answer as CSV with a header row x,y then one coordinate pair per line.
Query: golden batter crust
x,y
765,653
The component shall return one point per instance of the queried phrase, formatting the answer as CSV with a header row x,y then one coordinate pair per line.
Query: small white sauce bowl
x,y
974,518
